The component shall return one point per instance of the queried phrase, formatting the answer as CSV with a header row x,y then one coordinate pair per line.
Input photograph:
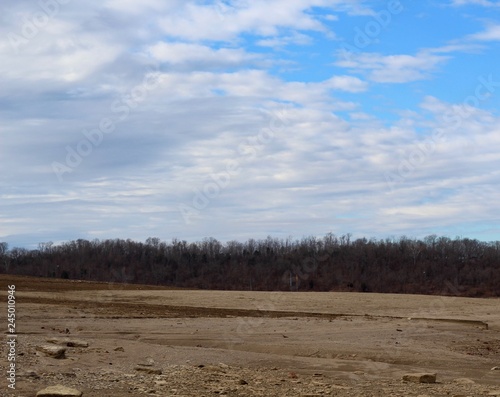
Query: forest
x,y
432,265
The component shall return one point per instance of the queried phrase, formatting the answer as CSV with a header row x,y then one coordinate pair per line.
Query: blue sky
x,y
241,119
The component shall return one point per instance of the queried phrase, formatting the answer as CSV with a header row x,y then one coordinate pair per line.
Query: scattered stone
x,y
28,374
161,383
69,342
341,387
148,370
59,391
464,381
52,351
420,378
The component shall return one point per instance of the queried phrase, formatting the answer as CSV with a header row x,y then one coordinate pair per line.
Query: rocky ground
x,y
115,340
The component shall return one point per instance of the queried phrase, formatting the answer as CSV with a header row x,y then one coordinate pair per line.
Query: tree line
x,y
432,265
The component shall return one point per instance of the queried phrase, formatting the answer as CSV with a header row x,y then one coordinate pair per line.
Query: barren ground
x,y
225,343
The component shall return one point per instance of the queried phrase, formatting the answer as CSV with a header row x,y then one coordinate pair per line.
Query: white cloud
x,y
326,150
492,33
185,53
68,60
282,41
144,6
264,18
394,68
485,3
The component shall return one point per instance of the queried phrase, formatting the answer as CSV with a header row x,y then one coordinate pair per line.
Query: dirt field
x,y
153,341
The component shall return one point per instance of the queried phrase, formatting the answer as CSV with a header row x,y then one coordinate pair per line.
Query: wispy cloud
x,y
264,18
485,3
204,57
394,68
492,33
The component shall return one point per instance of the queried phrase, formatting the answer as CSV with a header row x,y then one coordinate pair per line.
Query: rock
x,y
161,383
119,349
464,381
59,391
420,378
341,387
149,370
52,351
28,374
495,369
494,393
69,342
243,382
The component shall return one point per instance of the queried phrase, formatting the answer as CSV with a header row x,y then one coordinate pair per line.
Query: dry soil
x,y
169,342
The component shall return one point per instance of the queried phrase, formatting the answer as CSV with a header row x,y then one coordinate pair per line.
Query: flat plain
x,y
146,340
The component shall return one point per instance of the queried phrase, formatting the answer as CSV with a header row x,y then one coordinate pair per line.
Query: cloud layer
x,y
238,119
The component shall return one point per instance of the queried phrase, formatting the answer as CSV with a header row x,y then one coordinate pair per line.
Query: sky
x,y
238,119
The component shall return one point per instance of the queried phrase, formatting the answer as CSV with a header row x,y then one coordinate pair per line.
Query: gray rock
x,y
420,378
464,381
69,342
148,370
52,351
59,391
29,374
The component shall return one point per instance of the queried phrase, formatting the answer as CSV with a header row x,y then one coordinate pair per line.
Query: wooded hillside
x,y
433,265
